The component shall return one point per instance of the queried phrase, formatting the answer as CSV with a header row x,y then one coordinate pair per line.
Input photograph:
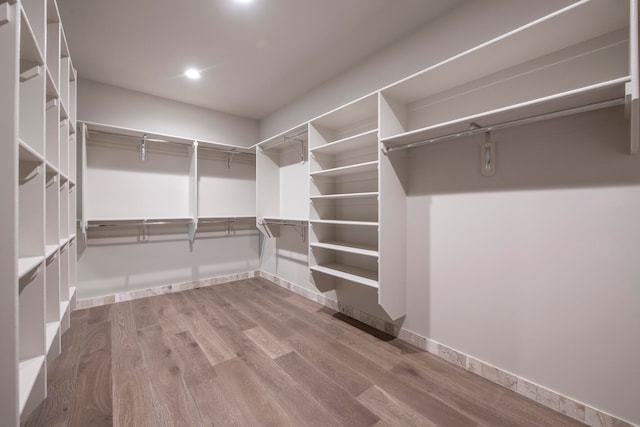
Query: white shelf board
x,y
337,222
352,143
286,134
345,196
350,273
357,111
347,170
50,250
347,247
137,219
51,330
29,49
72,236
28,154
28,373
64,241
27,264
130,132
584,96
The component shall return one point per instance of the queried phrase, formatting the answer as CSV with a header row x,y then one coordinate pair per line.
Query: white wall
x,y
101,103
534,270
109,266
481,20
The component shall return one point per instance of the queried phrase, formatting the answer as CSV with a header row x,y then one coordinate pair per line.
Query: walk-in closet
x,y
336,213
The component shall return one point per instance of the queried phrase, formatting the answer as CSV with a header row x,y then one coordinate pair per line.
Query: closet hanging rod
x,y
222,150
286,139
142,222
226,220
287,223
512,123
182,144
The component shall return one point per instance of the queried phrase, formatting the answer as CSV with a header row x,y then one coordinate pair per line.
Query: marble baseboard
x,y
549,398
178,287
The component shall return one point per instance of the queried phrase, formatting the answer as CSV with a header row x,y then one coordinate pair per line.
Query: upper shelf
x,y
139,134
286,140
578,56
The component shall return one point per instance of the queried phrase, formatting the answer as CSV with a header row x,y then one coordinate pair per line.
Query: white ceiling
x,y
255,58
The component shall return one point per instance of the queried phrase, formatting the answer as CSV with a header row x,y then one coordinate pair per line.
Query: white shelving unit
x,y
282,170
36,178
343,240
146,183
550,65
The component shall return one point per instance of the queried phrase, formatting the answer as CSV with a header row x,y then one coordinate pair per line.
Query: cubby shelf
x,y
350,223
345,196
350,273
346,170
28,264
39,153
29,371
52,329
350,143
347,247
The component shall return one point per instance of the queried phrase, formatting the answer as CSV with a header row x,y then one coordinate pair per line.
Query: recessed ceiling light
x,y
192,73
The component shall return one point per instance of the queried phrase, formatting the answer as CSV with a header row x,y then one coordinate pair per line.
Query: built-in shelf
x,y
51,331
28,264
350,273
28,154
338,222
29,369
64,241
345,196
609,90
356,142
347,247
50,250
347,170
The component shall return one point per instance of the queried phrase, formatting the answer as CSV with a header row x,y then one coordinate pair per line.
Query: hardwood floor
x,y
250,353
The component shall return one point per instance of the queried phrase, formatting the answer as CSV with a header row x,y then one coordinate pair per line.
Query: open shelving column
x,y
344,194
37,113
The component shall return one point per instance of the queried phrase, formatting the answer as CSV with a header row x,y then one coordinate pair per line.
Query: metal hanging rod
x,y
135,223
226,220
223,150
533,119
146,138
285,139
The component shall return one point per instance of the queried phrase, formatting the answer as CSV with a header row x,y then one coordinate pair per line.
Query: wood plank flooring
x,y
250,353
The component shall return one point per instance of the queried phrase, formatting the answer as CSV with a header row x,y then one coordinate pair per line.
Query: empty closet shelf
x,y
27,264
345,196
52,329
352,143
350,273
50,250
28,373
338,222
347,247
347,170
